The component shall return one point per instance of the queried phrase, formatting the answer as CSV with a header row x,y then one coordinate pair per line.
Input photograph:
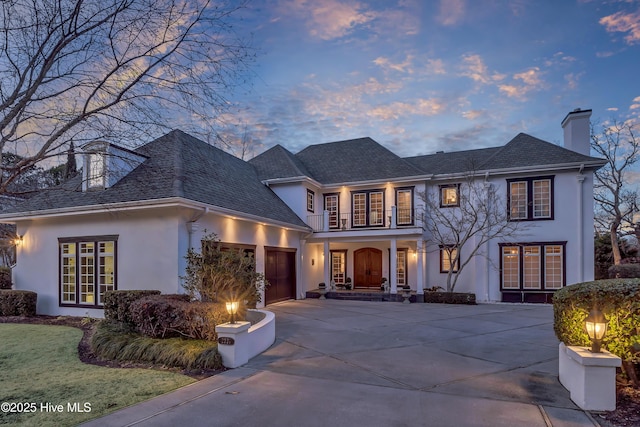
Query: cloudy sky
x,y
420,76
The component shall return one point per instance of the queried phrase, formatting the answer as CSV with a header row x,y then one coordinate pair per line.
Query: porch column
x,y
393,266
327,263
420,266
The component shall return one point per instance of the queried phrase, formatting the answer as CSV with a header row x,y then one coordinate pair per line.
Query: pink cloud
x,y
623,22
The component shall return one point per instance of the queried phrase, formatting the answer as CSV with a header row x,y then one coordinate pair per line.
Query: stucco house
x,y
347,209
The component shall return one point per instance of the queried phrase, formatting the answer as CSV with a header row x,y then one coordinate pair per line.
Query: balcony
x,y
372,220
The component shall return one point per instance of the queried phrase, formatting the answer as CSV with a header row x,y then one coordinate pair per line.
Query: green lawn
x,y
39,364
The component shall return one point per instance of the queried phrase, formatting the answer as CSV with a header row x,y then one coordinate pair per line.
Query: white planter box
x,y
589,377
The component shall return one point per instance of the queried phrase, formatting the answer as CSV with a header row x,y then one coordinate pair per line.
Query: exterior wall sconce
x,y
596,325
18,240
232,309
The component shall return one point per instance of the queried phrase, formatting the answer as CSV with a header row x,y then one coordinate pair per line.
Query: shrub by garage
x,y
167,316
116,304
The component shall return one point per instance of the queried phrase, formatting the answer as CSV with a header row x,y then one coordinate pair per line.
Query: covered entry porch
x,y
368,263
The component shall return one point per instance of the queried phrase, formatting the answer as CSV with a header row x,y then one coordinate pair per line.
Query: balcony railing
x,y
393,218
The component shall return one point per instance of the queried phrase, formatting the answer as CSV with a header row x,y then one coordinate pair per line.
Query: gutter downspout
x,y
580,177
487,291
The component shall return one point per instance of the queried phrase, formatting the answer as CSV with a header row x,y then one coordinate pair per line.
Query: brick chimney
x,y
577,131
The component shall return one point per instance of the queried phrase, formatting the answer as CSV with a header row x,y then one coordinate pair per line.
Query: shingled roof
x,y
522,151
278,162
178,165
354,160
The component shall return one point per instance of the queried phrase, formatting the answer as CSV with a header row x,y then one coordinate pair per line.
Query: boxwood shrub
x,y
167,316
17,303
624,271
5,278
116,303
618,299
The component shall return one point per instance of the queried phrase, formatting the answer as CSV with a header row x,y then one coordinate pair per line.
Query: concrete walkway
x,y
354,363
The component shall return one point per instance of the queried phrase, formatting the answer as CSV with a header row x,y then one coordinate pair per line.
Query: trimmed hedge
x,y
5,278
450,298
167,316
116,304
624,271
17,303
618,299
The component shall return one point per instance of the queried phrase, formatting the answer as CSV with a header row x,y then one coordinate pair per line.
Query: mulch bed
x,y
86,355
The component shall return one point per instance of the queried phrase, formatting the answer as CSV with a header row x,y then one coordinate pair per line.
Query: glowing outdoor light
x,y
596,325
18,240
232,309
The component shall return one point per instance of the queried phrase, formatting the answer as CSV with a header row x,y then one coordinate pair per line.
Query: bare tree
x,y
615,201
111,69
478,216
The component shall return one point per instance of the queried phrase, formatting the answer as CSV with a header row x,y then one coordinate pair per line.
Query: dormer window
x,y
105,164
95,171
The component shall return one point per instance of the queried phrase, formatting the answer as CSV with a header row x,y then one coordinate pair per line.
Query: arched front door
x,y
367,268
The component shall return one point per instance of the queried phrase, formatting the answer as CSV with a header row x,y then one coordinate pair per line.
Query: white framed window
x,y
404,206
376,208
518,200
87,269
367,208
331,206
553,266
532,266
530,198
96,170
510,267
542,198
448,259
401,267
339,266
449,195
359,209
310,200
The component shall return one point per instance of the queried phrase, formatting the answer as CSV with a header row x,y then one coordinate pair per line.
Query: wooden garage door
x,y
280,272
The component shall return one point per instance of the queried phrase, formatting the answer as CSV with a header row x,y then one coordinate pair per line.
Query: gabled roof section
x,y
178,165
521,152
354,160
454,162
278,162
528,151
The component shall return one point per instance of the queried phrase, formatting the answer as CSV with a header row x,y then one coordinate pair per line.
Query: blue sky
x,y
420,76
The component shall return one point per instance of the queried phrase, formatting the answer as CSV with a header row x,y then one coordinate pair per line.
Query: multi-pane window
x,y
376,209
553,262
87,269
530,198
68,273
367,208
359,209
331,206
338,266
401,267
542,198
449,195
96,169
404,206
448,259
310,200
510,267
532,266
518,200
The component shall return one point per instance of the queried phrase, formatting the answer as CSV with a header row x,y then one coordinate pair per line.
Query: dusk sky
x,y
420,76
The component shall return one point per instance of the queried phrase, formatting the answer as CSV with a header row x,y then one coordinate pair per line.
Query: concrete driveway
x,y
355,363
